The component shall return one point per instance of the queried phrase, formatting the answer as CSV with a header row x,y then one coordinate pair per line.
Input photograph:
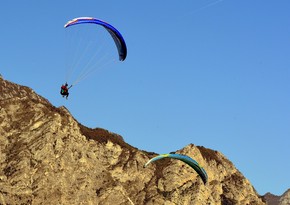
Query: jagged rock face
x,y
285,198
47,157
272,199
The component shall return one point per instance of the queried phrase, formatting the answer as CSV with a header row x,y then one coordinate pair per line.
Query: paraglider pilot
x,y
64,90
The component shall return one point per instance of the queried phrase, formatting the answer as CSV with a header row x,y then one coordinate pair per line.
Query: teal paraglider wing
x,y
116,35
186,159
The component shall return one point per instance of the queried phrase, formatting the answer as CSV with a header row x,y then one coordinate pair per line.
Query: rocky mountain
x,y
47,157
272,199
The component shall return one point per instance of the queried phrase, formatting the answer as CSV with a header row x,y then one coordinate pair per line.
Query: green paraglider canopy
x,y
186,159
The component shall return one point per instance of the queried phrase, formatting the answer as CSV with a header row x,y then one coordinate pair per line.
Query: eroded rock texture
x,y
47,157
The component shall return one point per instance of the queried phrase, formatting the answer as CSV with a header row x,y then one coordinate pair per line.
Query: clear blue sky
x,y
211,73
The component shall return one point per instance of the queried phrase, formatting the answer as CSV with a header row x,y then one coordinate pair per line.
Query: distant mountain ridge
x,y
47,157
272,199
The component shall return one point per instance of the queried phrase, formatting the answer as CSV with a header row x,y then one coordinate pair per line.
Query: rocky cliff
x,y
277,200
47,157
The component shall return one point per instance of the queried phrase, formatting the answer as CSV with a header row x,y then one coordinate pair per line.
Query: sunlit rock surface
x,y
47,157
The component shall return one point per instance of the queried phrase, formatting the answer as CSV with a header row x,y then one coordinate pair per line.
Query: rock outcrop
x,y
47,157
272,199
